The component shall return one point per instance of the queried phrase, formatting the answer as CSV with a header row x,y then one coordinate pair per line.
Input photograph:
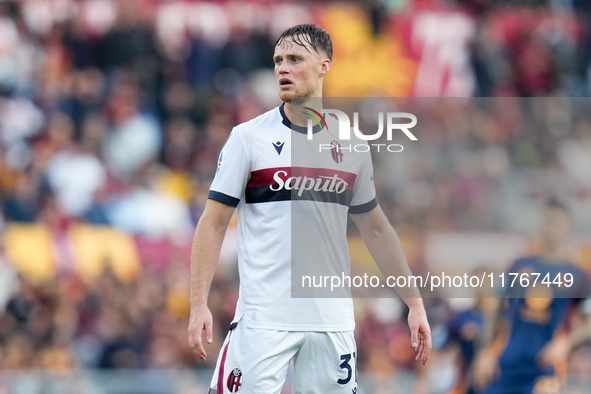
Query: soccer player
x,y
255,174
534,332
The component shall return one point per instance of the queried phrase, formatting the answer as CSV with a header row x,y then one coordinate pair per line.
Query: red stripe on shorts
x,y
221,372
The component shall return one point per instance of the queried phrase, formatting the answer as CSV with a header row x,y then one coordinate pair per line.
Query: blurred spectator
x,y
8,280
22,203
135,138
152,213
75,175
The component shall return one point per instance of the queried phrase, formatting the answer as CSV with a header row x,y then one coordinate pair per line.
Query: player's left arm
x,y
384,245
563,343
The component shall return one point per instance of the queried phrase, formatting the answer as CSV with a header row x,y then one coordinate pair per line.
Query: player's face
x,y
299,70
556,226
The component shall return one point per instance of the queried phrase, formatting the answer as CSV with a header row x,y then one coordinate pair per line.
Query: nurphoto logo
x,y
392,120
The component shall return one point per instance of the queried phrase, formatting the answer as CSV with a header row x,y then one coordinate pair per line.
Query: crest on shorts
x,y
234,380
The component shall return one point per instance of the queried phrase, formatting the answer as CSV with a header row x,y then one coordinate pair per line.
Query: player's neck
x,y
553,254
298,118
287,110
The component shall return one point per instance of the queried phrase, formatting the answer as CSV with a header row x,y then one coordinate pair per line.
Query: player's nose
x,y
283,68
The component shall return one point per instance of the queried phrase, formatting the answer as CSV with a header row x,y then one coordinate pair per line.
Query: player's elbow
x,y
378,232
212,224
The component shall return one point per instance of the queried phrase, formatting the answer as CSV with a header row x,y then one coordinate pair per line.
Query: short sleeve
x,y
232,172
364,193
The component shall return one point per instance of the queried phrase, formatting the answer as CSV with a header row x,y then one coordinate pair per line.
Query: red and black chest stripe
x,y
300,183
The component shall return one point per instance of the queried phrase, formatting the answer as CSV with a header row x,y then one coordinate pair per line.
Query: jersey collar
x,y
299,129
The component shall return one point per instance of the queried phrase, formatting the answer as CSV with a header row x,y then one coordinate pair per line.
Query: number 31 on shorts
x,y
346,366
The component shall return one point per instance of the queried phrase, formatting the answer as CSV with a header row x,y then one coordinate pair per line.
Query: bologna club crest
x,y
336,151
235,380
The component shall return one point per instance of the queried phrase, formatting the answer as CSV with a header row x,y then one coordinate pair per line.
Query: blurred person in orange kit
x,y
533,331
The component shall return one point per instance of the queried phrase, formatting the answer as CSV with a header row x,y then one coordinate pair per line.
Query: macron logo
x,y
278,146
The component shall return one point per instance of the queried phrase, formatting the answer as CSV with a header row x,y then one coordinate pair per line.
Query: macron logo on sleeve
x,y
278,146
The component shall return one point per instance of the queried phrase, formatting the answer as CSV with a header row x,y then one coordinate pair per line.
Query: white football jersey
x,y
291,211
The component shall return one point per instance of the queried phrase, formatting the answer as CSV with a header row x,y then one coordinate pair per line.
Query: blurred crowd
x,y
489,164
113,112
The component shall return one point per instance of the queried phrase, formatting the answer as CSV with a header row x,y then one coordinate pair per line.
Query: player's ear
x,y
325,67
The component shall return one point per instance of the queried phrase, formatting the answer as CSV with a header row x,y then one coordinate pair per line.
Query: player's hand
x,y
555,351
420,333
199,321
486,367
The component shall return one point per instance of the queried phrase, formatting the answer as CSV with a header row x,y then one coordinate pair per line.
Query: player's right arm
x,y
205,252
493,344
227,189
497,330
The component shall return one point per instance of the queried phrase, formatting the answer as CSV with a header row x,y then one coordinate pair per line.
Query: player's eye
x,y
277,62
